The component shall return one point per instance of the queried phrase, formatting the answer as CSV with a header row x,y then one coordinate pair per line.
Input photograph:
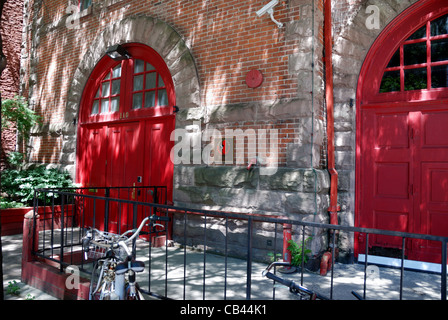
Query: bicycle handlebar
x,y
293,287
122,243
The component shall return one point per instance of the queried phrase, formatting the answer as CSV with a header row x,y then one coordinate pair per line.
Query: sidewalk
x,y
382,283
12,259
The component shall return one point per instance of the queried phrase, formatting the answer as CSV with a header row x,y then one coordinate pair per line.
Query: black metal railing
x,y
216,255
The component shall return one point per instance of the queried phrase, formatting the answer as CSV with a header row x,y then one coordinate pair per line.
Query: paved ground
x,y
382,283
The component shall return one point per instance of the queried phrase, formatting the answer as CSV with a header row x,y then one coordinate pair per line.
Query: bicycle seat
x,y
136,266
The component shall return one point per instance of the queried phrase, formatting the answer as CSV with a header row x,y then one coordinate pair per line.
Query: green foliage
x,y
16,111
299,252
13,288
15,159
19,185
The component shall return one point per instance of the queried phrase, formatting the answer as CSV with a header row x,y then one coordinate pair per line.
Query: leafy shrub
x,y
297,254
19,185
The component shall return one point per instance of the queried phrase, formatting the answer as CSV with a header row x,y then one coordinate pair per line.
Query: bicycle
x,y
114,271
294,288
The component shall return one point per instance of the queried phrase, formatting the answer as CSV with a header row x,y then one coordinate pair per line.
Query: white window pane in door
x,y
115,104
105,106
116,87
95,107
105,89
151,80
116,72
139,66
138,83
162,98
137,100
150,99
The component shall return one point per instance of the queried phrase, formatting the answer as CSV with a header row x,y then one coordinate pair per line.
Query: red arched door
x,y
402,132
126,119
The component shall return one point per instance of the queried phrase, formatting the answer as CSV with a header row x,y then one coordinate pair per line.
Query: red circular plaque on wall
x,y
254,79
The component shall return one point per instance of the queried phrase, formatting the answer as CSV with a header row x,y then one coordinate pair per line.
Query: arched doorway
x,y
125,122
402,132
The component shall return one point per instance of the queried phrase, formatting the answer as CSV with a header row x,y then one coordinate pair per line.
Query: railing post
x,y
249,258
61,268
443,284
106,210
287,236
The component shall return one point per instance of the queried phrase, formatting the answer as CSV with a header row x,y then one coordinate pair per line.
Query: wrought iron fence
x,y
211,254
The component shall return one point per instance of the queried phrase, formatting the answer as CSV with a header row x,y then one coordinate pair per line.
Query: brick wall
x,y
11,31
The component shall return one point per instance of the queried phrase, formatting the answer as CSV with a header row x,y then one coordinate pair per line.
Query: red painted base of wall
x,y
50,280
44,276
12,219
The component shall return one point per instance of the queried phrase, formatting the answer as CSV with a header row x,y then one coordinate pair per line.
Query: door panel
x,y
386,202
405,178
130,155
124,165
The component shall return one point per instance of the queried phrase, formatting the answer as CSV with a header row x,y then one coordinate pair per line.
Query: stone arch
x,y
137,29
349,53
149,31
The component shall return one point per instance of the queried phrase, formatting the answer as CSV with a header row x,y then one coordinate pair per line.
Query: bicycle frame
x,y
115,268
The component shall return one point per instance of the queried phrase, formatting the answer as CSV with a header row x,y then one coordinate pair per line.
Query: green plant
x,y
15,159
30,297
16,111
19,185
13,288
274,257
299,252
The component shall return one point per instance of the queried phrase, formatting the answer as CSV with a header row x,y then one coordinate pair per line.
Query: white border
x,y
408,264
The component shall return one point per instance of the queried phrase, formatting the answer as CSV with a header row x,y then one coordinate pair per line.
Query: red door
x,y
405,170
125,124
402,132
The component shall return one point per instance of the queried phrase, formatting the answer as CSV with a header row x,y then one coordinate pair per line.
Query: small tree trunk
x,y
2,67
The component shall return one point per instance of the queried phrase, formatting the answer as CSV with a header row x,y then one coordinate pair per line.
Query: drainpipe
x,y
334,208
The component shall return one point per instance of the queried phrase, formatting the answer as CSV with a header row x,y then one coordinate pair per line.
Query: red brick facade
x,y
11,31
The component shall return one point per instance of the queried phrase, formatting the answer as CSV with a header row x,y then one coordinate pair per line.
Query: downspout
x,y
328,37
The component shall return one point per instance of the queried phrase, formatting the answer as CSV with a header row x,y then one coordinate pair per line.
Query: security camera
x,y
266,8
269,8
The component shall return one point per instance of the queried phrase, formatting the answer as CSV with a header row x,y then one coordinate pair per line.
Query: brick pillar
x,y
28,242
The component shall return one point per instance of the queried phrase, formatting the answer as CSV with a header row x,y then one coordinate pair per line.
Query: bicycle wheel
x,y
137,295
100,287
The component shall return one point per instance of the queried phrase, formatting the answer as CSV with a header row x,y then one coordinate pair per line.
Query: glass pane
x,y
106,89
439,50
439,76
439,26
414,53
391,81
115,104
419,34
116,87
137,100
150,99
138,83
116,72
161,83
107,77
395,60
162,98
139,66
149,67
97,93
151,80
105,106
95,107
415,79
